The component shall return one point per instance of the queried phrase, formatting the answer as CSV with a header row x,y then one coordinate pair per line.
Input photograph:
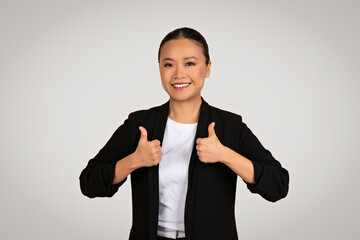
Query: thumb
x,y
211,129
143,133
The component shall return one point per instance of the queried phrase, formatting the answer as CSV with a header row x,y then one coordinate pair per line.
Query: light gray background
x,y
72,71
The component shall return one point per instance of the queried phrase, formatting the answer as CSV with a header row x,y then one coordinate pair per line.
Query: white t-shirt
x,y
177,145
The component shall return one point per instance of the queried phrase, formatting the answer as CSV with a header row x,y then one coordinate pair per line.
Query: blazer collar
x,y
163,114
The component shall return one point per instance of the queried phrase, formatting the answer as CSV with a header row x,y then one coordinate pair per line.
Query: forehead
x,y
178,48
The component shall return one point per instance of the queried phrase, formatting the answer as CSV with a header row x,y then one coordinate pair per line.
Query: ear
x,y
208,69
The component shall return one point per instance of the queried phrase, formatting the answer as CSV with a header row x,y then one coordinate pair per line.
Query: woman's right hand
x,y
147,153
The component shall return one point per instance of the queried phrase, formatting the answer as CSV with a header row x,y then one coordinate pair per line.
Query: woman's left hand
x,y
210,149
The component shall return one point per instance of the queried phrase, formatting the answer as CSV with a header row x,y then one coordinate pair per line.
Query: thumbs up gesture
x,y
210,149
148,153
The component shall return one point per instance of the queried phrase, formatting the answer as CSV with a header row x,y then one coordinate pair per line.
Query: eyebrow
x,y
170,59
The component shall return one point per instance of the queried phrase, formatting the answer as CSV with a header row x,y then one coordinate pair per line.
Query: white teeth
x,y
181,85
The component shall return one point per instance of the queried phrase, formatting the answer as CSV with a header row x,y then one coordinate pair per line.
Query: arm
x,y
238,164
105,173
123,168
262,173
271,180
97,178
147,154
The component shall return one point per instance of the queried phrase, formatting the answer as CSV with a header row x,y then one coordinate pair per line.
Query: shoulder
x,y
224,115
146,113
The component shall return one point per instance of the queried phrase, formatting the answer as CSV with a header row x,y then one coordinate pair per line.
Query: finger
x,y
157,157
198,141
156,142
211,129
158,149
143,133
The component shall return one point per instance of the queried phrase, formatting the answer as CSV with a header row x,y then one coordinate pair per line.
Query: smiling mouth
x,y
180,85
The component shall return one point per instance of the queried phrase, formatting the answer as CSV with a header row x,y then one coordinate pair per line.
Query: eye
x,y
190,64
167,65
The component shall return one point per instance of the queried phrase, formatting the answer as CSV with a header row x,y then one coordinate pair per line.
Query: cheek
x,y
163,77
199,73
165,80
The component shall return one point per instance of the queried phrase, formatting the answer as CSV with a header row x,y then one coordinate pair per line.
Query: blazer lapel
x,y
158,133
201,132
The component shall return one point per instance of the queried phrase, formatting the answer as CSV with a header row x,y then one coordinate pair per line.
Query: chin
x,y
183,98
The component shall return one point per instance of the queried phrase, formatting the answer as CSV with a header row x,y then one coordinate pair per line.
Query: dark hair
x,y
189,33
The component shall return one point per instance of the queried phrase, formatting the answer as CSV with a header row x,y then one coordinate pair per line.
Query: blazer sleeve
x,y
97,177
271,179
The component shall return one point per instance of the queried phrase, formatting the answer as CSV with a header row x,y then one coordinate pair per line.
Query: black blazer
x,y
210,200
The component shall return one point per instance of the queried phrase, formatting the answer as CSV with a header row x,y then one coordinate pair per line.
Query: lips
x,y
180,86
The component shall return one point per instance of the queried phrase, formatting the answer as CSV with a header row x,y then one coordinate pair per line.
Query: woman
x,y
184,156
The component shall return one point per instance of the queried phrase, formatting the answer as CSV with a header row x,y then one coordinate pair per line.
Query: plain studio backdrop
x,y
72,71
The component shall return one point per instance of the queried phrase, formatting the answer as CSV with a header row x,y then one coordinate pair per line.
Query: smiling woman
x,y
183,69
184,169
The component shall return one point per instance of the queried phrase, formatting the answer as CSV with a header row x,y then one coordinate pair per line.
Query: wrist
x,y
133,163
225,156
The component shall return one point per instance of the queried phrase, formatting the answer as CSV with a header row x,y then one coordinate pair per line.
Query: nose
x,y
179,72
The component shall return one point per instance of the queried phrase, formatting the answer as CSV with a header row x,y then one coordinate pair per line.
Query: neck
x,y
185,112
